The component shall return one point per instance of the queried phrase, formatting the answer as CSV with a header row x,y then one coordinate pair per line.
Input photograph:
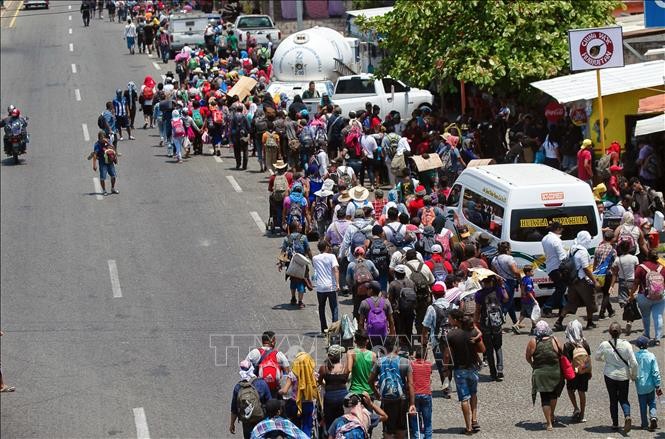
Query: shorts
x,y
580,382
396,410
130,42
466,381
580,293
123,121
526,310
106,168
297,284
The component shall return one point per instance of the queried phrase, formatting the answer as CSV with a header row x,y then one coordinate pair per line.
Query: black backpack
x,y
492,314
379,255
407,299
101,122
420,281
398,236
442,324
568,268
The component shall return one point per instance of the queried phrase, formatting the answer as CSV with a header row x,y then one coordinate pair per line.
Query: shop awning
x,y
651,125
652,104
370,13
581,86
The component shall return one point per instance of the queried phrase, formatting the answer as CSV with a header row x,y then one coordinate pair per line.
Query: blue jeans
x,y
424,410
466,381
331,297
383,280
618,392
164,50
651,308
177,143
509,307
557,299
648,400
333,405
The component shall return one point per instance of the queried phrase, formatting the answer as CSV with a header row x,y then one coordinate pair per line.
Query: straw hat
x,y
279,164
344,197
359,193
327,188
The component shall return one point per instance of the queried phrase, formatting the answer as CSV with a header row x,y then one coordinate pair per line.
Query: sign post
x,y
595,49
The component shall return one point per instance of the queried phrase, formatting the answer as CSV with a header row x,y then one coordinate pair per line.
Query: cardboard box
x,y
432,162
243,88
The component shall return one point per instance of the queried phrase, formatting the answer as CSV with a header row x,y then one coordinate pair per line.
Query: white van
x,y
516,203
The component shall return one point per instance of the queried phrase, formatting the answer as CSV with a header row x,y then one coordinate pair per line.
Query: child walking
x,y
422,385
528,299
647,384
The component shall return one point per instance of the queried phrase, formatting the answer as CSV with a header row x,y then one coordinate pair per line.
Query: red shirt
x,y
582,156
271,181
378,204
436,258
422,377
414,206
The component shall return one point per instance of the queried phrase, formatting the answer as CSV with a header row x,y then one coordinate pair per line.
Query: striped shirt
x,y
422,377
120,106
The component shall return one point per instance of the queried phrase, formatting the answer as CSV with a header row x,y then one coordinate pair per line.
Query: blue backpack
x,y
390,380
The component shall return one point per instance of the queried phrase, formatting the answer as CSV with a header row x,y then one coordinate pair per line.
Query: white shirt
x,y
322,158
554,252
403,145
130,30
582,260
550,148
369,146
398,258
341,170
354,205
626,265
615,368
324,264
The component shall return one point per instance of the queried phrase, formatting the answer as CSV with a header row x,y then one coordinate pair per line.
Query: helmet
x,y
16,112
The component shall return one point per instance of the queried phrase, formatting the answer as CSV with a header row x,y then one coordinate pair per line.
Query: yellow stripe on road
x,y
18,9
6,9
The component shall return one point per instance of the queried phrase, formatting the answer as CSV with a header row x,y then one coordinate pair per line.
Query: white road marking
x,y
70,18
69,7
115,280
70,31
218,159
77,93
234,183
71,47
258,221
142,431
86,134
156,65
98,188
73,68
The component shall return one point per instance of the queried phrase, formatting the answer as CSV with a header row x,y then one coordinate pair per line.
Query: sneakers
x,y
591,325
653,424
629,328
558,327
293,301
105,193
627,424
114,191
121,138
499,376
132,138
601,317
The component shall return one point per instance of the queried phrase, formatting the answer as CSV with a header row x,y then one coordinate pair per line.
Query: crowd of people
x,y
423,294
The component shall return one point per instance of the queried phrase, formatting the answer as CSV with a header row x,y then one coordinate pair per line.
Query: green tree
x,y
491,43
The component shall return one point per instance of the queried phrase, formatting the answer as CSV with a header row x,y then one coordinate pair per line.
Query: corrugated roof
x,y
651,125
580,86
652,104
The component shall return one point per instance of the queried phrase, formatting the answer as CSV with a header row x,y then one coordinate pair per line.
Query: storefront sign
x,y
597,48
554,112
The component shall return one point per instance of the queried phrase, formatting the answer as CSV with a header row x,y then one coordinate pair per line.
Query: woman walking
x,y
648,291
623,270
333,377
620,366
542,353
579,384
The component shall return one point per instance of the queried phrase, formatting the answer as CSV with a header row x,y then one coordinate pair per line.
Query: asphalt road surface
x,y
125,316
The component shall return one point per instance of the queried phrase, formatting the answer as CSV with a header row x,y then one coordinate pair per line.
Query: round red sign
x,y
554,112
596,48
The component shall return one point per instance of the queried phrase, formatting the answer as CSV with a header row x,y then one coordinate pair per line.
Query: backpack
x,y
268,368
250,409
344,177
217,117
280,185
391,148
492,318
357,239
442,324
361,277
101,122
425,246
295,211
306,139
420,281
178,128
654,284
320,137
626,236
379,255
568,268
428,216
377,321
407,299
179,70
468,305
581,360
352,142
347,431
148,93
603,167
291,244
197,118
110,157
439,271
398,238
271,143
390,380
446,157
261,124
321,209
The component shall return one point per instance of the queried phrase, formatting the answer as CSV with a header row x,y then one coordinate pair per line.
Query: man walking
x,y
326,281
104,153
554,255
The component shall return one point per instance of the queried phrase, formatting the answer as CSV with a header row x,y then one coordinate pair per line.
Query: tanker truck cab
x,y
517,203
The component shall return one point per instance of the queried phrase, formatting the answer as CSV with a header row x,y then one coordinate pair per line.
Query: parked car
x,y
29,4
352,92
259,27
188,29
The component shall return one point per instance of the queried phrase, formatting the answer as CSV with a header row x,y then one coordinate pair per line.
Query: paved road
x,y
154,353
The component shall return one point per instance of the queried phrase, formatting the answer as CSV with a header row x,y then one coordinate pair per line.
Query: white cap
x,y
436,248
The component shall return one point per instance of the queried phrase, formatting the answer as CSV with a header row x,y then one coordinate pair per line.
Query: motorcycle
x,y
16,139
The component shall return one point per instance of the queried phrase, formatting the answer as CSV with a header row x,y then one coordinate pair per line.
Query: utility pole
x,y
271,9
299,15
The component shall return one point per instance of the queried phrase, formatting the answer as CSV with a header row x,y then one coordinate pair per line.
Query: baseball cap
x,y
642,342
359,251
401,268
439,288
436,248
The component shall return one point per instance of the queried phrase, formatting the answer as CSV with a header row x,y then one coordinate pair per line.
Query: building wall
x,y
616,107
288,27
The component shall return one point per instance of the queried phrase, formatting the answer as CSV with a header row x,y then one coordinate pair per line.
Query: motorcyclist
x,y
14,125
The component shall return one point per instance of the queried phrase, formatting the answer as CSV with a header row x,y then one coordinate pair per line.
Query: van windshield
x,y
252,22
531,225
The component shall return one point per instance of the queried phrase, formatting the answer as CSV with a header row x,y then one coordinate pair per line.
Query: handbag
x,y
564,363
205,138
631,312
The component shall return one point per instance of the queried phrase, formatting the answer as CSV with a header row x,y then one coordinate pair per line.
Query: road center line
x,y
86,134
142,431
73,68
258,221
70,31
218,159
77,93
234,183
156,65
18,9
71,47
98,189
69,7
115,280
70,18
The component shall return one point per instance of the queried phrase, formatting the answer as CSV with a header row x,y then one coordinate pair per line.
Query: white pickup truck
x,y
259,27
352,92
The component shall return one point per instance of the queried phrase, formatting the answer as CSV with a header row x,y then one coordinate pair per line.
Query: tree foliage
x,y
491,43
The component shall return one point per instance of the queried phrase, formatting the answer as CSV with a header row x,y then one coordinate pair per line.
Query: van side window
x,y
453,197
482,212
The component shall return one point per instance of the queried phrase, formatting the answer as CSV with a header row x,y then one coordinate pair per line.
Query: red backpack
x,y
352,141
148,93
178,128
268,368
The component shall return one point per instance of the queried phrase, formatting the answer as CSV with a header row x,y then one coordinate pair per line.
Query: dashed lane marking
x,y
234,183
115,280
77,94
70,31
156,65
86,134
73,68
71,47
141,422
258,221
98,189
